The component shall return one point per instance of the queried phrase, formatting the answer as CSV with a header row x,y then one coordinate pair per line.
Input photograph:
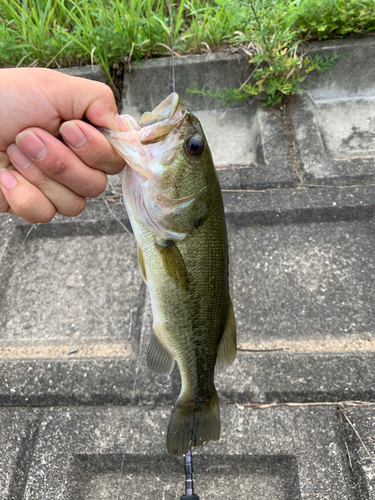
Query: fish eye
x,y
195,145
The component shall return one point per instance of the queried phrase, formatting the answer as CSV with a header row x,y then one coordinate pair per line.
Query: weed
x,y
278,67
278,71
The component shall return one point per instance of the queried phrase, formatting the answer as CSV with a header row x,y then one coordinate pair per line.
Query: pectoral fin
x,y
228,345
159,359
141,264
173,262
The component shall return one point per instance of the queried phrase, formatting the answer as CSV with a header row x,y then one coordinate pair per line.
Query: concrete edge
x,y
275,204
90,72
267,377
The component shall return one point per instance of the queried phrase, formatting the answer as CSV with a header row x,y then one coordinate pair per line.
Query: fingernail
x,y
120,122
126,123
31,145
7,180
73,135
18,158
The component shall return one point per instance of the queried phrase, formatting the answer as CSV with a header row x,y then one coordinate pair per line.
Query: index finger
x,y
91,146
5,163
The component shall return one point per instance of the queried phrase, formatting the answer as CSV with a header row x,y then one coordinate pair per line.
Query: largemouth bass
x,y
173,199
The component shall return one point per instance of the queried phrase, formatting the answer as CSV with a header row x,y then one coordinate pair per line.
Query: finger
x,y
4,205
24,199
4,164
66,201
58,162
91,146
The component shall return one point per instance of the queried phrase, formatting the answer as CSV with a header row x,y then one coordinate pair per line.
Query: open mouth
x,y
158,123
144,144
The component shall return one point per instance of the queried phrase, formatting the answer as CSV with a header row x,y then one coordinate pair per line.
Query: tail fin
x,y
193,425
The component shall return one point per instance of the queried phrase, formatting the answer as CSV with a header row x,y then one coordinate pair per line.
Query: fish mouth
x,y
146,145
157,124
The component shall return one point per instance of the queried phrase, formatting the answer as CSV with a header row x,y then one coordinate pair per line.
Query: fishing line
x,y
118,220
130,415
141,339
172,47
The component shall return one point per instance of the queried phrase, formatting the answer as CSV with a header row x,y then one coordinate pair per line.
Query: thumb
x,y
80,97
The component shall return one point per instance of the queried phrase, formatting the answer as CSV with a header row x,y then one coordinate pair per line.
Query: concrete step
x,y
324,137
255,377
301,268
302,287
272,453
359,434
18,430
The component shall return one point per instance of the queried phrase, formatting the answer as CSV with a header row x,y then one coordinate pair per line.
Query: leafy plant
x,y
278,71
278,68
322,19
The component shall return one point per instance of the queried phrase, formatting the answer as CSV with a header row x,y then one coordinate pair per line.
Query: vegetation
x,y
68,32
277,29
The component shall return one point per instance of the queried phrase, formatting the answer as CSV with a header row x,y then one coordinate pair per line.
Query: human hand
x,y
39,174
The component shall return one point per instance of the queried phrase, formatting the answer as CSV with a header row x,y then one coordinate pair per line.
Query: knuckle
x,y
109,162
33,211
106,91
58,167
42,182
98,187
75,208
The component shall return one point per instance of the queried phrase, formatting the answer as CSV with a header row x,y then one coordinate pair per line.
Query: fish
x,y
173,199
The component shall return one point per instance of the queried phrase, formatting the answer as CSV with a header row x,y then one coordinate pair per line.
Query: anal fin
x,y
159,359
141,264
228,345
173,263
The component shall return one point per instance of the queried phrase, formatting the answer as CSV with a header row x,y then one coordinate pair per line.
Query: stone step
x,y
301,267
18,430
359,434
255,377
272,453
150,81
311,318
353,73
335,139
324,137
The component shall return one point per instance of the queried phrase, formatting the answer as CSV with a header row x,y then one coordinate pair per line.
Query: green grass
x,y
68,32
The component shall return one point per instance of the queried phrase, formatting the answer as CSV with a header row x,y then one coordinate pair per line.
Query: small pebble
x,y
73,350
